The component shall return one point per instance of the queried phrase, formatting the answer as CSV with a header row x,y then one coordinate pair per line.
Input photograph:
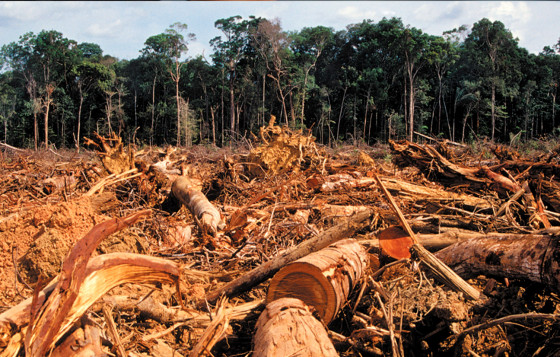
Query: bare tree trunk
x,y
78,130
533,257
213,125
323,279
411,96
366,113
176,79
493,108
231,103
153,110
553,110
340,113
47,104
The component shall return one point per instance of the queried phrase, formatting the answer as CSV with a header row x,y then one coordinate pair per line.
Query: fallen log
x,y
207,216
322,279
287,328
404,189
266,270
534,257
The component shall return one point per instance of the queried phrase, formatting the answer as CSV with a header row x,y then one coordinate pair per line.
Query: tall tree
x,y
307,46
272,43
488,47
231,51
170,46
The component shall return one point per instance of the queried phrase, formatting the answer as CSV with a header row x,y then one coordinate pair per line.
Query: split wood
x,y
440,270
266,270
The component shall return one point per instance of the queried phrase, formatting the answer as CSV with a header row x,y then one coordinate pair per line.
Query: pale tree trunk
x,y
231,105
366,114
49,89
213,126
79,120
176,77
153,110
109,108
411,96
493,108
340,113
553,110
465,124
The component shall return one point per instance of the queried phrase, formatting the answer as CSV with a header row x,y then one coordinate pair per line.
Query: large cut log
x,y
322,279
207,215
264,271
287,328
533,257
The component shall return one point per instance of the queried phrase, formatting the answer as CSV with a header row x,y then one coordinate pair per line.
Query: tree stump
x,y
322,279
287,328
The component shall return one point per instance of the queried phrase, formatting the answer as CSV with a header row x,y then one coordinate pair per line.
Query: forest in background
x,y
371,82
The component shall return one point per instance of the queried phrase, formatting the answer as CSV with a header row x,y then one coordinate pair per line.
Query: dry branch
x,y
266,270
287,328
47,319
322,279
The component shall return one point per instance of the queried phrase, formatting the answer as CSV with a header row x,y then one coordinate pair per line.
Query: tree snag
x,y
287,328
322,279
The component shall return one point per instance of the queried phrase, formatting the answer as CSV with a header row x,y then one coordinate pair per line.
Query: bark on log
x,y
534,257
208,217
287,328
266,270
322,279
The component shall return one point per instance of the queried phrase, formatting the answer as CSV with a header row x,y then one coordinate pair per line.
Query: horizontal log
x,y
207,215
535,257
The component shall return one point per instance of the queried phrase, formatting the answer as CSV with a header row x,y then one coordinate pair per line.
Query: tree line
x,y
368,83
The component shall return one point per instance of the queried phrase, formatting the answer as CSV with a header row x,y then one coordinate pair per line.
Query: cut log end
x,y
322,279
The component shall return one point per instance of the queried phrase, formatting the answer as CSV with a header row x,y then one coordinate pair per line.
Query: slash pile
x,y
207,251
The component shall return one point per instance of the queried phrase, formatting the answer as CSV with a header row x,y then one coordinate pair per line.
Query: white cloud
x,y
112,29
515,11
352,14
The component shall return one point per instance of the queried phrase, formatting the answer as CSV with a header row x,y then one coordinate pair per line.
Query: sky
x,y
121,28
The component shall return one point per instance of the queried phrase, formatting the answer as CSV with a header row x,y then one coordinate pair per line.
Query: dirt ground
x,y
271,201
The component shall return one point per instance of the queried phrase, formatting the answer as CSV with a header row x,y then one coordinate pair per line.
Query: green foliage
x,y
367,83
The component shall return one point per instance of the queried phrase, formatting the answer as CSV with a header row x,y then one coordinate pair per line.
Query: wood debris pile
x,y
287,248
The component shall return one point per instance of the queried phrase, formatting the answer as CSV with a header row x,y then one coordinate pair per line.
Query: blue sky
x,y
121,28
